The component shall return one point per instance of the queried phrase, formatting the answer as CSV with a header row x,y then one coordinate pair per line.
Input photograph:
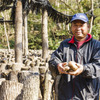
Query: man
x,y
83,83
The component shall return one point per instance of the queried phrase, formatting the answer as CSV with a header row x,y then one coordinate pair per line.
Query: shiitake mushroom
x,y
71,66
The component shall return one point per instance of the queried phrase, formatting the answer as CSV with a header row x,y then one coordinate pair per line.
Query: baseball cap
x,y
80,16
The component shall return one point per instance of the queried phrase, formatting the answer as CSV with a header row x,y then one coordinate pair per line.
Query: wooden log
x,y
4,60
32,64
27,62
48,86
2,67
13,76
9,57
17,66
10,90
31,85
42,71
5,74
1,80
9,65
31,58
25,68
35,69
56,86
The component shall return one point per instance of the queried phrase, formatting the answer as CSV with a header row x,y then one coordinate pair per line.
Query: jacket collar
x,y
73,41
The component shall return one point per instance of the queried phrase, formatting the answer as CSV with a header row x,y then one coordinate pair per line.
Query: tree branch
x,y
68,6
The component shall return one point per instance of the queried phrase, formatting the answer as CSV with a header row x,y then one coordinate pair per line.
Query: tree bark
x,y
91,22
10,90
13,76
2,80
56,3
18,32
25,35
99,36
23,43
44,34
48,86
31,84
6,34
56,86
42,71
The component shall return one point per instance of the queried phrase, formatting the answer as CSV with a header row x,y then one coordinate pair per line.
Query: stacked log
x,y
30,80
31,85
10,90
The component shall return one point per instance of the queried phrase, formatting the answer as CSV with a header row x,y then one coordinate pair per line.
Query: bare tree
x,y
80,9
25,34
6,34
91,22
44,34
18,32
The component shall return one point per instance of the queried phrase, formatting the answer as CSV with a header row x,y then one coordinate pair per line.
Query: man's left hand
x,y
78,71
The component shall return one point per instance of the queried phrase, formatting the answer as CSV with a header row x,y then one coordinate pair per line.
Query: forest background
x,y
56,31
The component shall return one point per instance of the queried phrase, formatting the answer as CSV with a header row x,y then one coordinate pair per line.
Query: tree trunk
x,y
57,3
99,36
56,86
44,34
18,32
42,71
10,90
2,80
23,43
48,86
13,76
67,26
6,34
25,35
31,84
91,22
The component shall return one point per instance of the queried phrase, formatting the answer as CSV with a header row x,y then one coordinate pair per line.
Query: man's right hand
x,y
61,68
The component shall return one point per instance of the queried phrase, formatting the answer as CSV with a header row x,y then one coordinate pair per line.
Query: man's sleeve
x,y
56,58
92,69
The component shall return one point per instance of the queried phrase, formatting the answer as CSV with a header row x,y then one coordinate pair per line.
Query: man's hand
x,y
78,71
61,68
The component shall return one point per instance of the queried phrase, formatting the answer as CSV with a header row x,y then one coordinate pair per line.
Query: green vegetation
x,y
56,31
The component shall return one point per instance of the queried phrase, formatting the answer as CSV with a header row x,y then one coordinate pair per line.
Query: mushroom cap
x,y
72,65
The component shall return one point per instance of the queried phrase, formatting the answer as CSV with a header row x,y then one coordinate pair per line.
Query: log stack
x,y
30,80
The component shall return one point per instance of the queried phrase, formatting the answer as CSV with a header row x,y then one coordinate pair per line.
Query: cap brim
x,y
79,19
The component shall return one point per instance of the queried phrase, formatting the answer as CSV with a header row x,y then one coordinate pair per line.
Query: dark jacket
x,y
86,85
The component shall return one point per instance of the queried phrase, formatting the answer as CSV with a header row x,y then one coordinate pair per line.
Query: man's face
x,y
79,29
